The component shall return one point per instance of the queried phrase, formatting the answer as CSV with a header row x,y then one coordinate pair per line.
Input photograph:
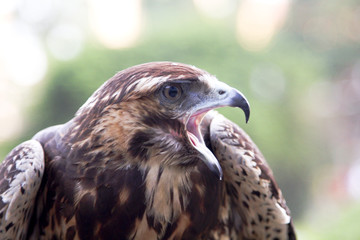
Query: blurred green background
x,y
296,61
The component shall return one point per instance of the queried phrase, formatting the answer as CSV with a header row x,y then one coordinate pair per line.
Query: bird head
x,y
158,107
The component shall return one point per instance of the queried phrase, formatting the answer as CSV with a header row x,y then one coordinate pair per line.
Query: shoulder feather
x,y
251,189
20,178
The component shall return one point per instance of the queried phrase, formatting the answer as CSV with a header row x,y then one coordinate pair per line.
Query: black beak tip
x,y
219,174
247,114
239,100
217,170
245,106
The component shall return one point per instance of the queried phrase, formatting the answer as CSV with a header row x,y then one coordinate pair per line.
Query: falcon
x,y
146,157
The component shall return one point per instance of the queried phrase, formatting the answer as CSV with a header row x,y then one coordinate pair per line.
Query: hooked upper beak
x,y
221,95
234,98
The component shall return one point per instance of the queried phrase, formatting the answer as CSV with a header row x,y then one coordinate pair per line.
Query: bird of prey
x,y
146,157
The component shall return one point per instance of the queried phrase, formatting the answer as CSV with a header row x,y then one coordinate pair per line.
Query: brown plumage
x,y
141,160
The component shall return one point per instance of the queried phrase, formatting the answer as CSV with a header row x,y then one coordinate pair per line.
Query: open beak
x,y
220,96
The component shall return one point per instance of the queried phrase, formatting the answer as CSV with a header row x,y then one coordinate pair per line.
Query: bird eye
x,y
172,92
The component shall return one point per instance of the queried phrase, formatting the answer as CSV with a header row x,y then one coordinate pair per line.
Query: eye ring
x,y
172,92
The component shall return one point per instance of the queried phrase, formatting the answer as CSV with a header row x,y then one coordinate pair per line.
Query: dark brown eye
x,y
172,92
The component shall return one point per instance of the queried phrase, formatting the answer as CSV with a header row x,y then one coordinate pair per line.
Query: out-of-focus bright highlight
x,y
353,180
11,117
65,41
259,20
21,54
7,7
215,8
116,23
37,12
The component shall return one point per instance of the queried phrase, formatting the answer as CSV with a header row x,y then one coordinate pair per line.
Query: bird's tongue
x,y
194,141
197,141
193,129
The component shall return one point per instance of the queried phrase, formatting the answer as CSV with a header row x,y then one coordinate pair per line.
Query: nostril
x,y
221,92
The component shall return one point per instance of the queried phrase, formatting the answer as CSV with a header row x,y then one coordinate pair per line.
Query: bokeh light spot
x,y
259,20
65,41
215,8
22,54
10,120
116,23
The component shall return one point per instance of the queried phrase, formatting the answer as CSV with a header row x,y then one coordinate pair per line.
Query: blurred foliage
x,y
334,225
